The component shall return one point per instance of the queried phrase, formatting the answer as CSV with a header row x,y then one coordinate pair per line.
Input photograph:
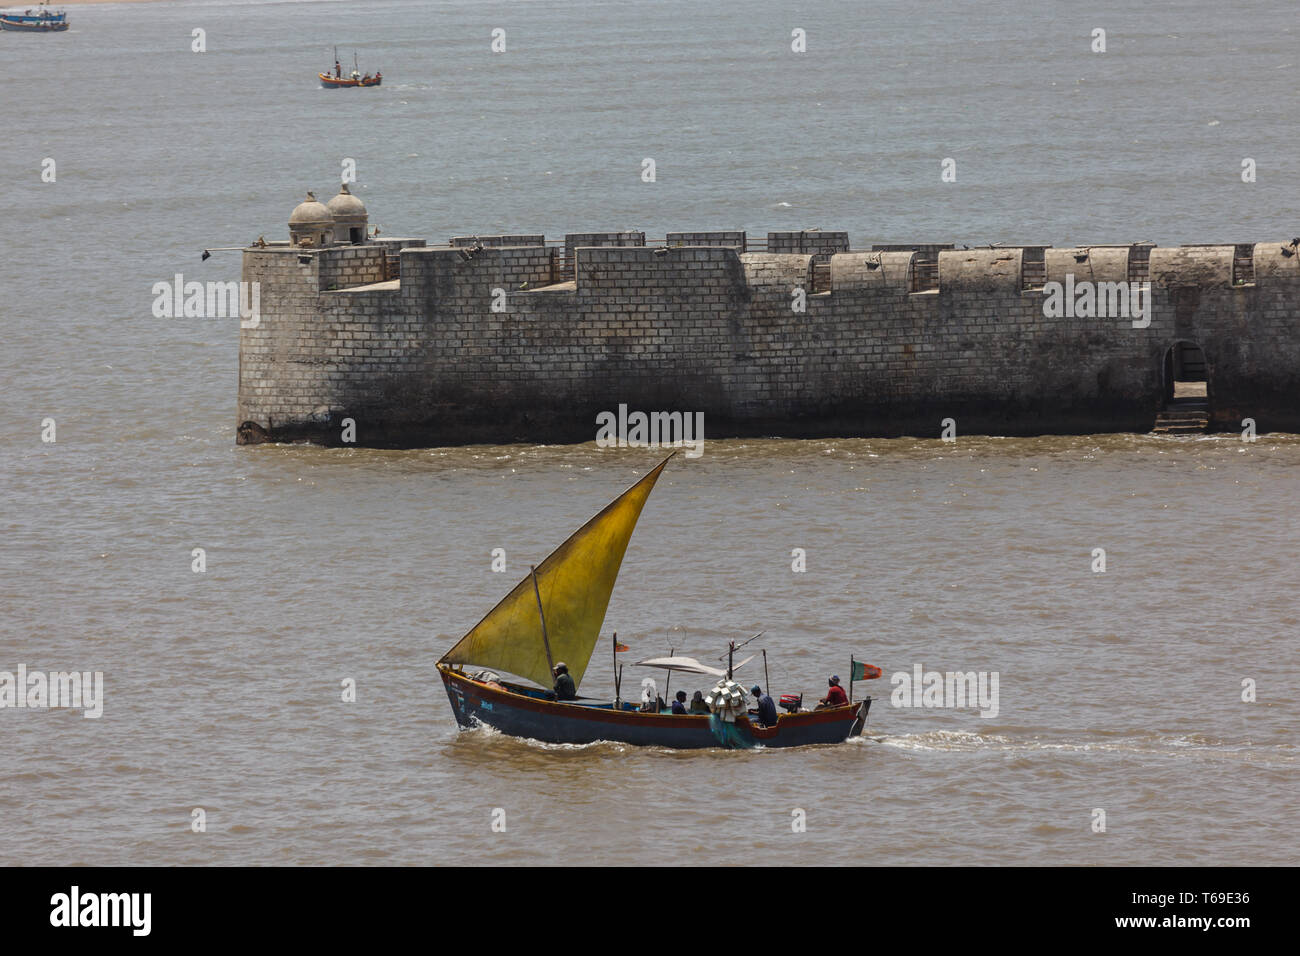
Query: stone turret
x,y
350,217
311,223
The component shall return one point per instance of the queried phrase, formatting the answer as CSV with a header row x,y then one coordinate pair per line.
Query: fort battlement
x,y
502,338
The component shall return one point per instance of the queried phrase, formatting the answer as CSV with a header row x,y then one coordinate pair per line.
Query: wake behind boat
x,y
546,629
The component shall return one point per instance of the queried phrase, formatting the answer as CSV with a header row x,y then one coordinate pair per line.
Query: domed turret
x,y
350,216
311,223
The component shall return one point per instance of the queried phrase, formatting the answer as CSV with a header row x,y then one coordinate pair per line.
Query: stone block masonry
x,y
696,324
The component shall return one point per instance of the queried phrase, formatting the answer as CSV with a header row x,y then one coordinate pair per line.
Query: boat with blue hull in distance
x,y
549,624
39,15
41,21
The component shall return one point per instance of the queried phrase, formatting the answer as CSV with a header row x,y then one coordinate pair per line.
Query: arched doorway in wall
x,y
1186,381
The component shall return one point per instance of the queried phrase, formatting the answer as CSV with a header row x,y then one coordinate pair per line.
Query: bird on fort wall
x,y
1289,251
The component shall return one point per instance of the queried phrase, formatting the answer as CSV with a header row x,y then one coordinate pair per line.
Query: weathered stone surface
x,y
711,329
1094,264
732,238
1204,266
876,271
988,270
815,241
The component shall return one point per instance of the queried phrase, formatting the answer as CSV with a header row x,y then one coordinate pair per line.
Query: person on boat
x,y
766,707
564,686
338,70
698,706
835,696
679,703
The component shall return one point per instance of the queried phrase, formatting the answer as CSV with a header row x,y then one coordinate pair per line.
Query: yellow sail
x,y
575,582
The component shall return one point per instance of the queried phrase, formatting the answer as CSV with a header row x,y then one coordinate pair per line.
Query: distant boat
x,y
43,22
355,78
556,613
40,16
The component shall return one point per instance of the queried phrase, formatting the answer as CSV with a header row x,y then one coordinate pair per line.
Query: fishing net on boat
x,y
727,701
727,734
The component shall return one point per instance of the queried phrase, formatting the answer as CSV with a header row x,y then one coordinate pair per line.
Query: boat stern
x,y
860,719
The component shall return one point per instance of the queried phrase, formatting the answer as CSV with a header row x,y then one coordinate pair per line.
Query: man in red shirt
x,y
835,696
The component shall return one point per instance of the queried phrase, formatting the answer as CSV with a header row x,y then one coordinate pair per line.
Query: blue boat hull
x,y
35,17
33,26
521,712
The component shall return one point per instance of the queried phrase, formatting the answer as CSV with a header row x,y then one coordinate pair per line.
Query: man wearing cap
x,y
564,686
766,708
835,696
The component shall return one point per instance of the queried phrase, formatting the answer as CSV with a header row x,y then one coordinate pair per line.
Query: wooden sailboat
x,y
43,21
355,78
555,614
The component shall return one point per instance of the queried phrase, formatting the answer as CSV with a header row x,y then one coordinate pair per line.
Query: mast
x,y
616,681
542,614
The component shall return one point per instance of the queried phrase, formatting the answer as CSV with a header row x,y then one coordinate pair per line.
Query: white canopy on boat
x,y
689,665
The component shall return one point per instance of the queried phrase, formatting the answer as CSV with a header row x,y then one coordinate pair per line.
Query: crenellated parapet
x,y
1180,266
891,270
980,270
1276,262
1093,263
499,337
773,269
891,273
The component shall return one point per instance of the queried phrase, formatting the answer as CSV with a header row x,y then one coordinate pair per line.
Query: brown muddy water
x,y
1118,690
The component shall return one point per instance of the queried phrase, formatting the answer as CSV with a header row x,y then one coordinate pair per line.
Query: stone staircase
x,y
1179,420
1188,413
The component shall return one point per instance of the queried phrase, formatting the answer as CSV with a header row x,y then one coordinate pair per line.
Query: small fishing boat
x,y
355,78
40,16
34,23
553,617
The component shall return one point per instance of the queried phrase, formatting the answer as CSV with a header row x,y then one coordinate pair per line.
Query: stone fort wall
x,y
887,343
